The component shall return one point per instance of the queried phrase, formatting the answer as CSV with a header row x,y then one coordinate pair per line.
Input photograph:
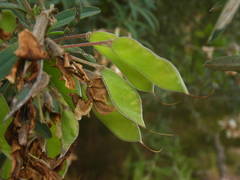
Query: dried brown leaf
x,y
103,108
29,47
69,81
80,73
83,108
5,35
97,92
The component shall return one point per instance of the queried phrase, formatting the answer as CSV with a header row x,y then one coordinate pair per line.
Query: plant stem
x,y
108,42
41,3
75,36
28,7
96,66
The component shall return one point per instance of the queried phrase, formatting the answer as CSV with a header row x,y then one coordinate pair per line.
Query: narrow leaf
x,y
4,146
123,96
156,69
64,18
121,127
43,130
133,76
225,18
89,11
7,60
224,63
7,5
70,128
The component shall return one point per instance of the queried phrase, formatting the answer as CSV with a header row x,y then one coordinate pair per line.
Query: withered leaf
x,y
29,47
5,35
97,92
83,108
75,68
103,108
69,81
81,73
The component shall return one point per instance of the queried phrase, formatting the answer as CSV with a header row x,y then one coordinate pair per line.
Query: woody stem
x,y
108,42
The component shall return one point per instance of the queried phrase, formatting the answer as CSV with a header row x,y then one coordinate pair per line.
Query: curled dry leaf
x,y
75,68
69,81
29,47
83,108
5,35
97,92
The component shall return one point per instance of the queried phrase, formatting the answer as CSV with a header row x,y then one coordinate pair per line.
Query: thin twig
x,y
41,3
28,7
82,61
75,36
220,157
39,160
108,42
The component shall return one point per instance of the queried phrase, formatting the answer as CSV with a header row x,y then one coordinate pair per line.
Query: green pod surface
x,y
123,96
120,126
156,69
133,76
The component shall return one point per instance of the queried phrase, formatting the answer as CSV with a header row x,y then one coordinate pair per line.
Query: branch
x,y
96,66
42,21
39,32
220,158
57,51
75,36
108,42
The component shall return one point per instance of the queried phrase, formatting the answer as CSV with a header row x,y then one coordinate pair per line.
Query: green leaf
x,y
6,169
43,130
7,21
69,125
121,127
89,11
225,18
133,76
7,5
21,16
224,63
53,145
123,96
4,146
7,60
156,69
70,128
67,3
64,18
58,83
80,51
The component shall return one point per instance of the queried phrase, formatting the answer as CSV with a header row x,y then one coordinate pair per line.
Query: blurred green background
x,y
205,145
